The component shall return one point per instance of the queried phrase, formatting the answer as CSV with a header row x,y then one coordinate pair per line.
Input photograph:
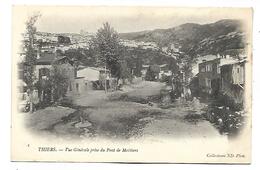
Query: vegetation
x,y
107,42
55,86
29,49
111,54
59,82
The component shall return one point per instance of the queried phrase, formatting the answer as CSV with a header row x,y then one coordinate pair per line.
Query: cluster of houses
x,y
216,74
159,72
54,38
50,52
223,75
80,78
140,44
219,75
53,42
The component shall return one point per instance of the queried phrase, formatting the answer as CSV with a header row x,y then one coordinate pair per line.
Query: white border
x,y
5,83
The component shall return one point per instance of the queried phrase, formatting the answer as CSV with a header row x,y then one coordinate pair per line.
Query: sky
x,y
63,19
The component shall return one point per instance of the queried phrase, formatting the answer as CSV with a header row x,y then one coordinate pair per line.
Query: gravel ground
x,y
126,114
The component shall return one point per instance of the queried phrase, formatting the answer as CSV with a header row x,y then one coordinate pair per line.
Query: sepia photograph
x,y
131,84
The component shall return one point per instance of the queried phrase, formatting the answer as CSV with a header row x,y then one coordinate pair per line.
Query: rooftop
x,y
48,58
225,61
221,61
232,62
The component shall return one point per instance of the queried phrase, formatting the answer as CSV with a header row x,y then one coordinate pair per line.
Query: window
x,y
202,69
238,70
218,69
44,72
208,67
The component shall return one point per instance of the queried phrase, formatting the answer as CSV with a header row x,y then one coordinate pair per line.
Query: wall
x,y
229,87
38,67
208,74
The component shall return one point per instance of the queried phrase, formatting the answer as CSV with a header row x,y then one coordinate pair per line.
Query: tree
x,y
107,41
187,75
29,48
124,72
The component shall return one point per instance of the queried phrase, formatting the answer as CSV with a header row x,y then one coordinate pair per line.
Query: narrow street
x,y
135,112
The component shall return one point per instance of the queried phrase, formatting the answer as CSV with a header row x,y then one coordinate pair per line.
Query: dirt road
x,y
135,112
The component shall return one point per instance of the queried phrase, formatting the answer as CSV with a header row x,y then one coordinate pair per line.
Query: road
x,y
136,112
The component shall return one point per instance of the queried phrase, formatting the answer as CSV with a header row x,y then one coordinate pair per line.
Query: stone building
x,y
233,81
210,75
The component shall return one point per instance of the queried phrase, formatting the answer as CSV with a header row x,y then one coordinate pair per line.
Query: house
x,y
144,70
63,39
210,75
80,86
44,69
89,73
233,81
44,65
155,72
93,78
201,59
85,78
164,71
152,73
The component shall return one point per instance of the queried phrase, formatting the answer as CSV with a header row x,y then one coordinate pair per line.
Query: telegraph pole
x,y
105,78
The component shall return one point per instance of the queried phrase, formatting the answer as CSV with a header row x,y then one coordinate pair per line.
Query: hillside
x,y
223,36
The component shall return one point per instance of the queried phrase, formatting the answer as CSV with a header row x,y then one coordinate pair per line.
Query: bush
x,y
227,120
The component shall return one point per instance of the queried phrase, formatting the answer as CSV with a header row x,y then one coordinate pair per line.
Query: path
x,y
128,114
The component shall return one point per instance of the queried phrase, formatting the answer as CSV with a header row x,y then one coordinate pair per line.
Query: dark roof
x,y
60,59
210,61
155,68
49,58
79,77
46,58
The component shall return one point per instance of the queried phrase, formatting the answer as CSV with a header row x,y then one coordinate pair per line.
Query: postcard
x,y
131,84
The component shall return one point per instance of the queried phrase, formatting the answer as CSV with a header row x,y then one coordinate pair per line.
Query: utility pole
x,y
105,78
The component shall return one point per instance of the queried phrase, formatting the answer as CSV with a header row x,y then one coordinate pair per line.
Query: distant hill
x,y
223,37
